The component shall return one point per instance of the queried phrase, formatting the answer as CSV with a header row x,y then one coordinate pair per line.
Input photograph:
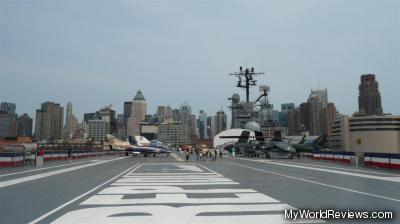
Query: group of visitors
x,y
203,153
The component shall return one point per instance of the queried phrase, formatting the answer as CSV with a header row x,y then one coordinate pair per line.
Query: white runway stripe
x,y
153,200
161,180
45,168
319,183
393,179
51,173
337,168
178,198
81,196
182,215
168,190
174,184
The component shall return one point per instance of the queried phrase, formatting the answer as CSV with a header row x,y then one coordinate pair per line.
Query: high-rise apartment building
x,y
328,116
168,113
49,122
304,118
8,120
161,113
100,123
315,106
24,125
97,129
8,125
315,116
174,133
293,121
110,115
138,114
369,99
88,116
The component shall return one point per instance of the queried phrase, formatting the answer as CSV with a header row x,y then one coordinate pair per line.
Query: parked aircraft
x,y
319,143
137,147
143,142
274,148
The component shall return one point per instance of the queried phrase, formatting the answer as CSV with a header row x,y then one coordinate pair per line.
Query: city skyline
x,y
188,58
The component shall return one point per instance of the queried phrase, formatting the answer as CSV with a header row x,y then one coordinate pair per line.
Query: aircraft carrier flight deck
x,y
169,189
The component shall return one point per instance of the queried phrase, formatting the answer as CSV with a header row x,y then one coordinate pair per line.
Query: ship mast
x,y
249,81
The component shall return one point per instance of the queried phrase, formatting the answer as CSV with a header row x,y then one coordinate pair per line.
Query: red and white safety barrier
x,y
388,163
11,161
17,159
341,157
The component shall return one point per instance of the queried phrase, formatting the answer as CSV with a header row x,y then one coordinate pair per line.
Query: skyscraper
x,y
210,126
168,113
100,123
369,99
88,116
220,122
120,124
285,107
202,125
293,121
109,114
283,115
174,133
8,120
8,125
314,109
97,129
127,114
193,124
71,122
9,108
24,125
322,93
175,115
304,116
139,110
49,121
68,116
328,116
161,113
184,113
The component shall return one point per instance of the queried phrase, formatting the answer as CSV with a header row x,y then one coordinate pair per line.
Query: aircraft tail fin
x,y
322,140
132,140
259,136
142,141
244,137
303,140
277,136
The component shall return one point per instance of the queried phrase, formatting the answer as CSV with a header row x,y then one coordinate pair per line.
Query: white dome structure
x,y
253,126
230,136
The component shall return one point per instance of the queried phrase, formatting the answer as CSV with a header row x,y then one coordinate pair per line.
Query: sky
x,y
97,53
